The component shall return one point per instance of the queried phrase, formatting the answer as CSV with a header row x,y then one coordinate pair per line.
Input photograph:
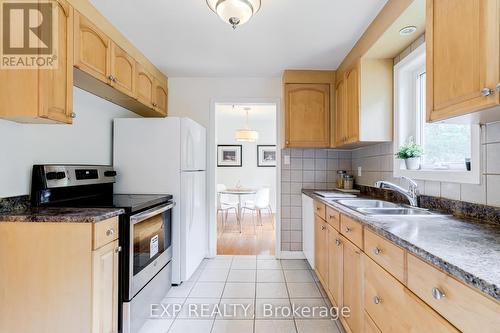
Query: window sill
x,y
449,176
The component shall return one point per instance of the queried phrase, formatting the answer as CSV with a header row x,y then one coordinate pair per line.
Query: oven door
x,y
150,245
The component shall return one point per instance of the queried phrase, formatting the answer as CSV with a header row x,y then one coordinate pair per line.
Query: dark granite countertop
x,y
466,249
67,215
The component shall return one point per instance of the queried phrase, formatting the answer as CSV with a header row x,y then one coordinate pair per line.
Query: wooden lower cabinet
x,y
105,289
352,295
335,265
321,248
54,278
394,308
370,326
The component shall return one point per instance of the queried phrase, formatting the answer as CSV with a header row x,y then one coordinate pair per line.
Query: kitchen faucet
x,y
411,194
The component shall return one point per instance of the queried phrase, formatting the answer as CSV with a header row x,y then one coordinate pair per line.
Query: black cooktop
x,y
136,202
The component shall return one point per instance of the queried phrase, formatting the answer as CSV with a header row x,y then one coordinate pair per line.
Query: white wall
x,y
191,97
88,140
262,118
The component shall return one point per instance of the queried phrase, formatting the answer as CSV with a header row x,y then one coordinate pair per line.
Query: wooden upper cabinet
x,y
55,87
92,49
462,40
160,97
307,115
43,95
352,101
144,85
340,114
123,71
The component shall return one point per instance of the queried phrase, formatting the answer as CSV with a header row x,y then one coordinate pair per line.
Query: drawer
x,y
333,218
386,254
352,230
104,232
394,308
320,209
464,307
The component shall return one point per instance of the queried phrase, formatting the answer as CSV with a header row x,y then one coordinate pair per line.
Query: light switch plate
x,y
359,171
286,160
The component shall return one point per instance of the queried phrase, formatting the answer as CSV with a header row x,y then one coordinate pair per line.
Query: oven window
x,y
152,237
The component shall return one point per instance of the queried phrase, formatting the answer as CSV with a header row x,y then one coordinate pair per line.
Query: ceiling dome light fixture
x,y
246,134
234,12
407,30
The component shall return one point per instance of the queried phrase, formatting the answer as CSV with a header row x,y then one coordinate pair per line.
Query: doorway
x,y
246,174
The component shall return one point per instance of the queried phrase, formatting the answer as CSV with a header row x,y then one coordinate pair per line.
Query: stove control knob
x,y
110,173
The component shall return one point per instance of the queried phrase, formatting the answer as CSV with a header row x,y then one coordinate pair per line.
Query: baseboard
x,y
292,255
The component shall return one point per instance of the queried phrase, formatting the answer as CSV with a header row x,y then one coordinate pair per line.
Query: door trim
x,y
212,168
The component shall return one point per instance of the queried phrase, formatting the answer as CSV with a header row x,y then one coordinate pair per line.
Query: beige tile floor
x,y
243,285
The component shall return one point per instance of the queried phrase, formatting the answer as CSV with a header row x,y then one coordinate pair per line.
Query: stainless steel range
x,y
145,231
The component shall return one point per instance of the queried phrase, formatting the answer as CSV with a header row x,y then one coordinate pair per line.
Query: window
x,y
451,151
446,146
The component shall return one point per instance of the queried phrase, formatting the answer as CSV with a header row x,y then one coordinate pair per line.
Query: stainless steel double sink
x,y
380,207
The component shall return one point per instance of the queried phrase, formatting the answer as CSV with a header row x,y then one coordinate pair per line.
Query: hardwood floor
x,y
260,242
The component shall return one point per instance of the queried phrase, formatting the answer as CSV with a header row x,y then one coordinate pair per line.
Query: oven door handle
x,y
150,213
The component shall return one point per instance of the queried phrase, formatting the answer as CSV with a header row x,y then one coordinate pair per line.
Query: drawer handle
x,y
347,229
377,300
338,242
332,217
110,232
323,227
377,251
437,294
318,208
118,249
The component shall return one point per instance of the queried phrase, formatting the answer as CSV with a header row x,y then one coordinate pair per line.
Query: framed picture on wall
x,y
266,156
229,155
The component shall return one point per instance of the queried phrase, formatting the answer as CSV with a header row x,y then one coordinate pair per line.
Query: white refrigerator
x,y
168,156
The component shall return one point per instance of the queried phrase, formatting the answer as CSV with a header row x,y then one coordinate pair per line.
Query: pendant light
x,y
246,134
234,12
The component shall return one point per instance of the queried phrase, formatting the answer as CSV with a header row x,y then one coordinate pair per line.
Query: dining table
x,y
239,192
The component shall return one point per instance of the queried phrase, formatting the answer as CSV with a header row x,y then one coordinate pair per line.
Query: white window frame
x,y
406,124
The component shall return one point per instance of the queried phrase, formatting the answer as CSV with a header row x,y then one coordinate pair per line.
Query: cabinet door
x,y
352,285
160,97
92,49
307,115
335,264
462,38
144,85
340,114
321,249
105,289
55,87
394,308
122,71
352,88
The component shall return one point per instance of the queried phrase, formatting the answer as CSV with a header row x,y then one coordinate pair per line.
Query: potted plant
x,y
410,152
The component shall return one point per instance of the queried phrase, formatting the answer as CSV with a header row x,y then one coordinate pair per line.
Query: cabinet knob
x,y
323,227
72,115
118,249
287,142
487,92
110,232
338,242
377,251
437,294
347,229
110,78
377,300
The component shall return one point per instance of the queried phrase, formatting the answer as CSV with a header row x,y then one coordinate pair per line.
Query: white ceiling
x,y
185,38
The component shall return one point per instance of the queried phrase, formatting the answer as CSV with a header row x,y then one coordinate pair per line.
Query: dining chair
x,y
223,207
262,201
